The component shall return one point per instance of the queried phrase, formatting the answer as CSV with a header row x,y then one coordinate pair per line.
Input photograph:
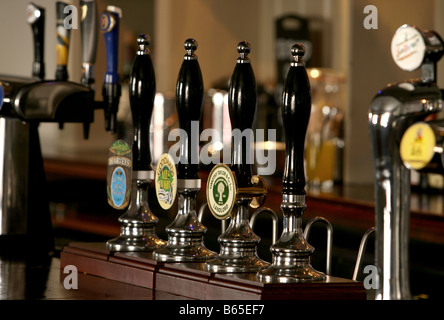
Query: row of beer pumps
x,y
230,190
233,189
27,102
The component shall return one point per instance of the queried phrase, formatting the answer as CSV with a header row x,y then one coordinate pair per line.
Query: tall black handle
x,y
296,115
142,90
242,103
89,35
189,104
36,18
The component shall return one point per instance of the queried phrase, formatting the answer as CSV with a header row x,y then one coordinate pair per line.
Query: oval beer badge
x,y
118,186
118,178
166,181
221,191
417,146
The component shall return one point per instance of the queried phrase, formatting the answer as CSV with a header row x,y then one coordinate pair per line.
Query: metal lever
x,y
329,238
200,214
361,251
274,218
201,211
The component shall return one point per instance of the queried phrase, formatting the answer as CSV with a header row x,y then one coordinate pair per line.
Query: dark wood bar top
x,y
191,280
25,280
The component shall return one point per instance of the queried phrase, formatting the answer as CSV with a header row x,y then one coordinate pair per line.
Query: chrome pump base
x,y
137,224
185,233
291,253
238,246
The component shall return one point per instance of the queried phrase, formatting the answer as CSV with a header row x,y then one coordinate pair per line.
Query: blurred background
x,y
357,58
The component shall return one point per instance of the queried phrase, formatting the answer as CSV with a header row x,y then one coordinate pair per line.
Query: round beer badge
x,y
408,48
166,181
417,144
221,191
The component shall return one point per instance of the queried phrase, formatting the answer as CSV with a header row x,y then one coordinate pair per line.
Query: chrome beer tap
x,y
186,232
89,33
138,222
237,186
392,111
291,253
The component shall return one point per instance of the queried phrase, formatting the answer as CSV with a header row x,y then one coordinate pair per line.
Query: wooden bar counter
x,y
190,280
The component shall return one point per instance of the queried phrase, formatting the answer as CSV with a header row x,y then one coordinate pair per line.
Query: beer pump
x,y
392,111
237,186
186,232
138,222
291,253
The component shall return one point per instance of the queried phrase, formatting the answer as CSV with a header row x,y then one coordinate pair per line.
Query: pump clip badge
x,y
166,181
417,146
221,191
118,175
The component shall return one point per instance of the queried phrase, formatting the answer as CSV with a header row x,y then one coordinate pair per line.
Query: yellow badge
x,y
417,146
166,181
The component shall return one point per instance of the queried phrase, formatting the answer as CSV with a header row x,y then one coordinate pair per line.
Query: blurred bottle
x,y
325,135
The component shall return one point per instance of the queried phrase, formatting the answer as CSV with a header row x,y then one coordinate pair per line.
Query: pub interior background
x,y
359,58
